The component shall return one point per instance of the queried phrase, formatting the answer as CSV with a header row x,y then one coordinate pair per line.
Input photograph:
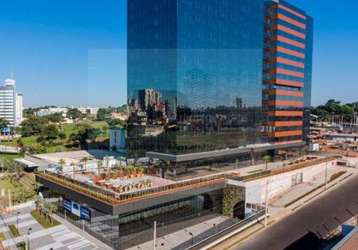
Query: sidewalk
x,y
284,212
100,245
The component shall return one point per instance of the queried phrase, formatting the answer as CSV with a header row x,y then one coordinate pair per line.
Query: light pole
x,y
192,237
28,238
154,235
17,220
266,201
326,176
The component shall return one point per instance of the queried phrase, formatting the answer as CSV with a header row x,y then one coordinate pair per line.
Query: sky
x,y
72,52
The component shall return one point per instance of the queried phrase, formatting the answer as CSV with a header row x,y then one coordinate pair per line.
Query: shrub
x,y
336,175
21,245
14,231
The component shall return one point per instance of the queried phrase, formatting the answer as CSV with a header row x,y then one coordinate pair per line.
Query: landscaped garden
x,y
46,221
14,231
21,189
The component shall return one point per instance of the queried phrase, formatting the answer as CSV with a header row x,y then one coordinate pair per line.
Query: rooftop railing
x,y
111,197
287,168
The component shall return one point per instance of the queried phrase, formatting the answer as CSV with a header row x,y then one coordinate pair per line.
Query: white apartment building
x,y
11,103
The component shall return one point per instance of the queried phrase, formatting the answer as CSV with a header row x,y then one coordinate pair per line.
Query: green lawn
x,y
43,220
9,156
2,237
20,192
14,231
7,184
58,145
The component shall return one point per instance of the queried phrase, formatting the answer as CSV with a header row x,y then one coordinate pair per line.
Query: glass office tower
x,y
196,75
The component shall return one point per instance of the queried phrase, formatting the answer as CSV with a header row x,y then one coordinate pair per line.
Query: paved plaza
x,y
60,237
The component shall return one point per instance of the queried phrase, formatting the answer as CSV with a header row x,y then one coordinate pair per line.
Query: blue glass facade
x,y
196,74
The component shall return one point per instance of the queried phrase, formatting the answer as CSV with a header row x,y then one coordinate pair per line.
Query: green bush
x,y
21,245
14,231
2,237
336,175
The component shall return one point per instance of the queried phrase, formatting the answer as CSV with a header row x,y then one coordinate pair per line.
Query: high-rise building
x,y
11,103
237,73
287,71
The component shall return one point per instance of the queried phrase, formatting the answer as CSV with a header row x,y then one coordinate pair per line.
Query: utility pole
x,y
155,235
326,176
10,202
266,201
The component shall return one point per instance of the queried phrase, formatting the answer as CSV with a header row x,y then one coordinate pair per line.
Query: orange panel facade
x,y
280,103
285,92
290,31
290,42
290,52
292,11
287,133
285,113
283,82
290,62
289,72
286,123
291,21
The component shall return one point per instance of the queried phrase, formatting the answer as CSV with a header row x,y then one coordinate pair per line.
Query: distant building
x,y
11,103
51,111
88,110
119,115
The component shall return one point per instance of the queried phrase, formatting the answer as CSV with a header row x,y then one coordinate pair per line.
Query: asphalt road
x,y
319,217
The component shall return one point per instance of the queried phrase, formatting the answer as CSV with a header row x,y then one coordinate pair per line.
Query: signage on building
x,y
75,208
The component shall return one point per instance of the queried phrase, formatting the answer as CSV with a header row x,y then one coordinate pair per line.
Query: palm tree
x,y
99,167
267,159
62,162
85,160
73,165
50,209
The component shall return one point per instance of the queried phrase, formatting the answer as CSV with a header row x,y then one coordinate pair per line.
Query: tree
x,y
85,135
102,114
55,118
62,162
74,114
50,208
113,123
33,126
50,133
3,123
267,159
73,165
85,160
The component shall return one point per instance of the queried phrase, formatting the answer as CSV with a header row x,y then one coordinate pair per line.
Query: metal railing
x,y
287,168
199,242
115,198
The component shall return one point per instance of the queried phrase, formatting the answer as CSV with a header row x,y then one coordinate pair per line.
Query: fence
x,y
203,240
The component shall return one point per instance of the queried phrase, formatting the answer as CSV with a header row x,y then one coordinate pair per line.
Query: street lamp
x,y
17,220
192,237
28,238
155,235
